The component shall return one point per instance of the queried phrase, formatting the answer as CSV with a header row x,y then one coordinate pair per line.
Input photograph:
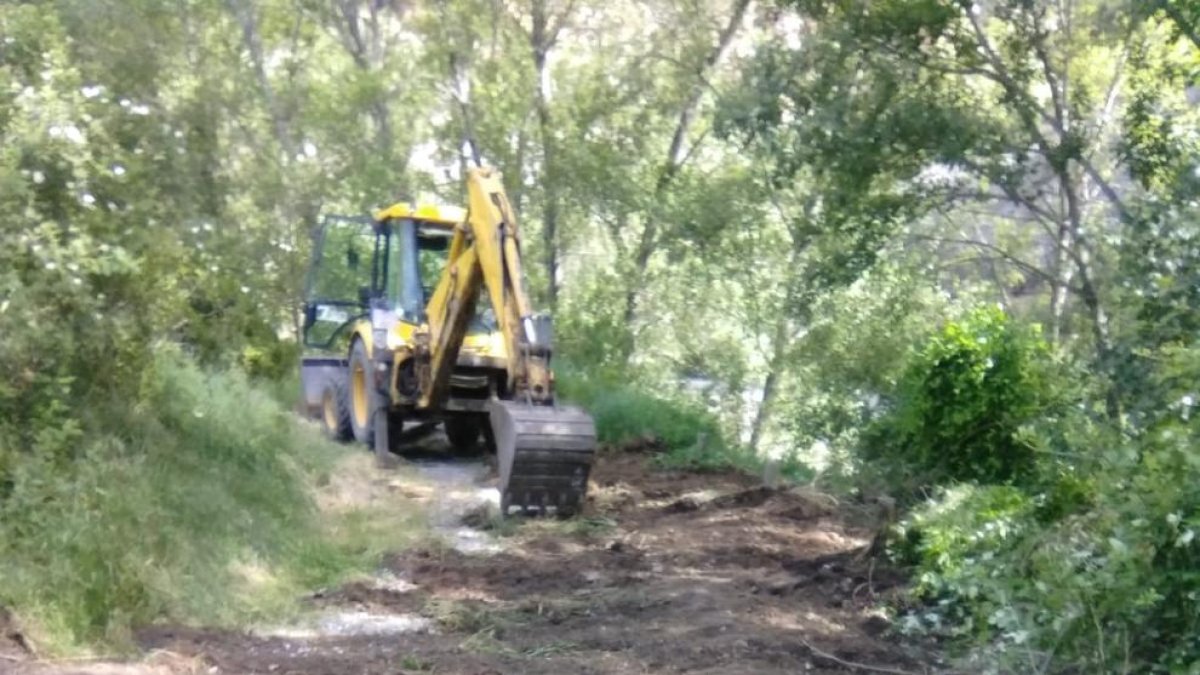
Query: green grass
x,y
624,413
197,505
691,437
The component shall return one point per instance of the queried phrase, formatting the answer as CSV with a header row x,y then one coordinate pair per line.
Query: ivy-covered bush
x,y
1092,565
956,542
962,402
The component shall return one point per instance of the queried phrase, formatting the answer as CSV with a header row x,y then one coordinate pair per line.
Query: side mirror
x,y
364,296
310,315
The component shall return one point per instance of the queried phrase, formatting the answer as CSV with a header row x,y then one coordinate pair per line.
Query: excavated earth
x,y
666,571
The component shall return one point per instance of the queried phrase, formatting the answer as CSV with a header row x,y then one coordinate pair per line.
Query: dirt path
x,y
665,572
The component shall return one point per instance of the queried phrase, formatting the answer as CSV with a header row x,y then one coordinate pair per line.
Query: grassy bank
x,y
197,503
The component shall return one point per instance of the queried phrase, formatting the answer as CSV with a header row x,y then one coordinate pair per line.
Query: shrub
x,y
956,544
962,402
1094,564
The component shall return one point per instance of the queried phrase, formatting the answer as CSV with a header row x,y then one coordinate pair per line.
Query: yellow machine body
x,y
467,351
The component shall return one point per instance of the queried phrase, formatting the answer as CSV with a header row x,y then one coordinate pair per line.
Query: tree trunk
x,y
770,385
676,155
1088,292
368,56
1060,274
540,42
781,339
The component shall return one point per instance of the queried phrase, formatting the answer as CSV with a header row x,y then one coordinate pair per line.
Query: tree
x,y
915,107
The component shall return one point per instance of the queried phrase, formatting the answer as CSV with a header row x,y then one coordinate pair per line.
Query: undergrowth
x,y
193,504
689,436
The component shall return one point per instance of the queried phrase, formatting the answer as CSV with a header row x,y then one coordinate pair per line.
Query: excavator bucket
x,y
544,454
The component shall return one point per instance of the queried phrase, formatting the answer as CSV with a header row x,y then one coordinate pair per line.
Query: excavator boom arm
x,y
544,451
485,256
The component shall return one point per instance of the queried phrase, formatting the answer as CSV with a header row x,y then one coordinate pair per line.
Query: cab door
x,y
342,278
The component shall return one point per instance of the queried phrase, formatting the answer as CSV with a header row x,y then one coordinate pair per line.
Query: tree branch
x,y
1181,21
1000,253
853,665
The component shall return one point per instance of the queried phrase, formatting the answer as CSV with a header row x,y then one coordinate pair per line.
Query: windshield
x,y
417,256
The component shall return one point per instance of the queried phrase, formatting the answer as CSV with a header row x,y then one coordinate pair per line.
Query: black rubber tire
x,y
396,444
463,433
489,437
335,412
361,396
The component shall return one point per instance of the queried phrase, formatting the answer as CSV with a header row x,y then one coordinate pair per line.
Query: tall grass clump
x,y
192,503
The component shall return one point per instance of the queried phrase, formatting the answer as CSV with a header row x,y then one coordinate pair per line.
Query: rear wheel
x,y
335,412
362,395
463,433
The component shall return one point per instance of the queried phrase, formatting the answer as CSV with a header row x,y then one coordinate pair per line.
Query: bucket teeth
x,y
544,455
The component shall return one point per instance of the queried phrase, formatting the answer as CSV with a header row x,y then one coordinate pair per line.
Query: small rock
x,y
744,499
682,505
876,625
482,516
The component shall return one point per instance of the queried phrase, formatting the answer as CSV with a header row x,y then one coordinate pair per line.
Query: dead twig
x,y
868,584
851,664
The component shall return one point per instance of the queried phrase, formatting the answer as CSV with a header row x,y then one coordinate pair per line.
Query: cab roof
x,y
435,214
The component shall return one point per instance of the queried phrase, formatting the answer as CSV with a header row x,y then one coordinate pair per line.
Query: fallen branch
x,y
852,665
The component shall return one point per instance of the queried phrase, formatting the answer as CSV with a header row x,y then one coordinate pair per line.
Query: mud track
x,y
665,572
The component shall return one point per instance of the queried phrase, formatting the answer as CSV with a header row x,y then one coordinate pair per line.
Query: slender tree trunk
x,y
676,155
770,385
368,56
1060,275
782,339
540,42
244,12
515,179
1088,292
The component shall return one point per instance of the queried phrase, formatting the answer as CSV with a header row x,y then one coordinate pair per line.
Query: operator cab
x,y
390,263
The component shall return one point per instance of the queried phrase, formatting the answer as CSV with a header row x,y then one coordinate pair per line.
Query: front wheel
x,y
362,395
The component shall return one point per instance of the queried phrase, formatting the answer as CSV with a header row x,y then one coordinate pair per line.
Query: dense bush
x,y
963,400
945,539
1093,563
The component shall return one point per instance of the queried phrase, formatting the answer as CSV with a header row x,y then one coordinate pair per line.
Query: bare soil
x,y
666,571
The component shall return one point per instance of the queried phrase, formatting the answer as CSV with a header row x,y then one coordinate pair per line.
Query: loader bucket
x,y
544,455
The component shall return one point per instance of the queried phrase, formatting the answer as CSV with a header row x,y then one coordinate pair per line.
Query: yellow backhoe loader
x,y
420,316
